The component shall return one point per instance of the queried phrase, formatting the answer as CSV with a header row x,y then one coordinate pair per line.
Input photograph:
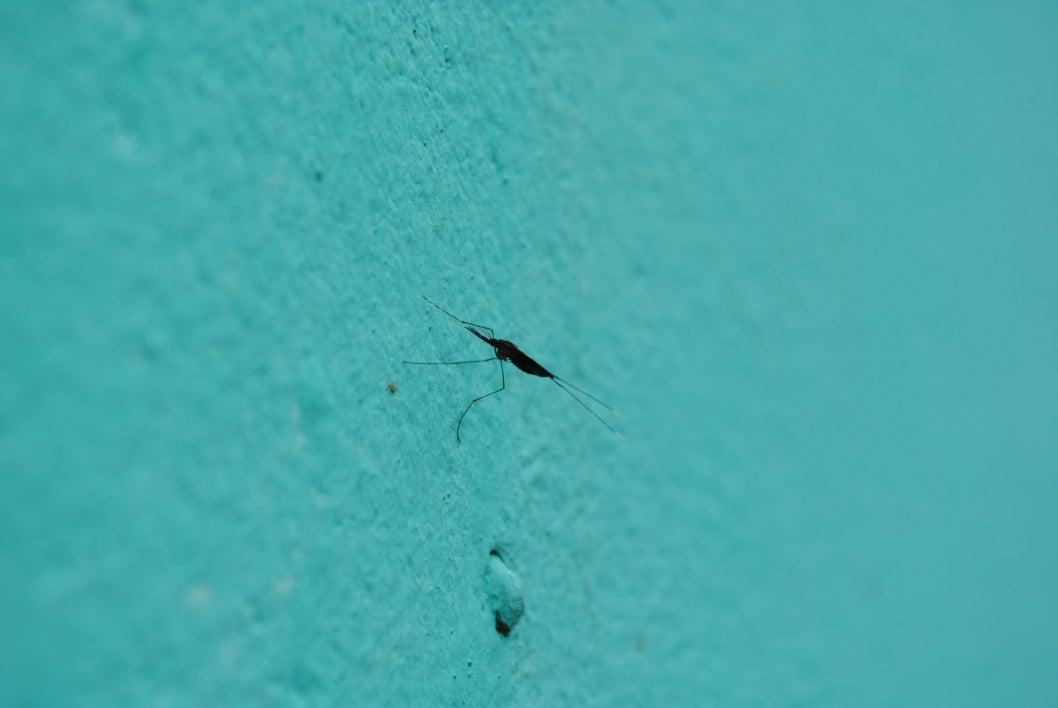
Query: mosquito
x,y
508,351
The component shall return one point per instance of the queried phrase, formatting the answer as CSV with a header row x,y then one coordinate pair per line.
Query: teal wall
x,y
809,252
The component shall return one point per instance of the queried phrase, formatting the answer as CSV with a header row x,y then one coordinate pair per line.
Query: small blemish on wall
x,y
503,593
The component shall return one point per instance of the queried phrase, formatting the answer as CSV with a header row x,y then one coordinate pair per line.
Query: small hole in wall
x,y
503,594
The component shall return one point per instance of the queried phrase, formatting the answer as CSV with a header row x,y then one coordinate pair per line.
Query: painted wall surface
x,y
808,252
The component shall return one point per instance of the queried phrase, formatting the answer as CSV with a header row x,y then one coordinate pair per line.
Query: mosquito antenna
x,y
578,388
585,405
448,363
456,318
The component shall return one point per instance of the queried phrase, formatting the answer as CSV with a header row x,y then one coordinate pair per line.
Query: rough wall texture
x,y
808,252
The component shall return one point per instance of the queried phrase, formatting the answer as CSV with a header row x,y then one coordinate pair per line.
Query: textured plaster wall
x,y
808,251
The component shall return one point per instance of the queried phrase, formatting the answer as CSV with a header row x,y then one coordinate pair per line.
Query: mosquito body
x,y
508,351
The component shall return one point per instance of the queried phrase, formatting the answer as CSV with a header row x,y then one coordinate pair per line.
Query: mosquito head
x,y
479,335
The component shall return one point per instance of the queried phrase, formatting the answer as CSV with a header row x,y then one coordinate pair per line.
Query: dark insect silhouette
x,y
508,351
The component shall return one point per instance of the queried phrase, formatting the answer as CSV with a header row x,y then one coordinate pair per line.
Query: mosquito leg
x,y
491,333
585,405
503,385
449,363
578,388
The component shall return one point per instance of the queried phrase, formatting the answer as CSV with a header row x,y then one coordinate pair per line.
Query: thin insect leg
x,y
578,388
503,385
447,363
585,405
491,333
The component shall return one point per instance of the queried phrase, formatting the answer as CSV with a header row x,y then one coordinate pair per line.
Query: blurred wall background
x,y
809,252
